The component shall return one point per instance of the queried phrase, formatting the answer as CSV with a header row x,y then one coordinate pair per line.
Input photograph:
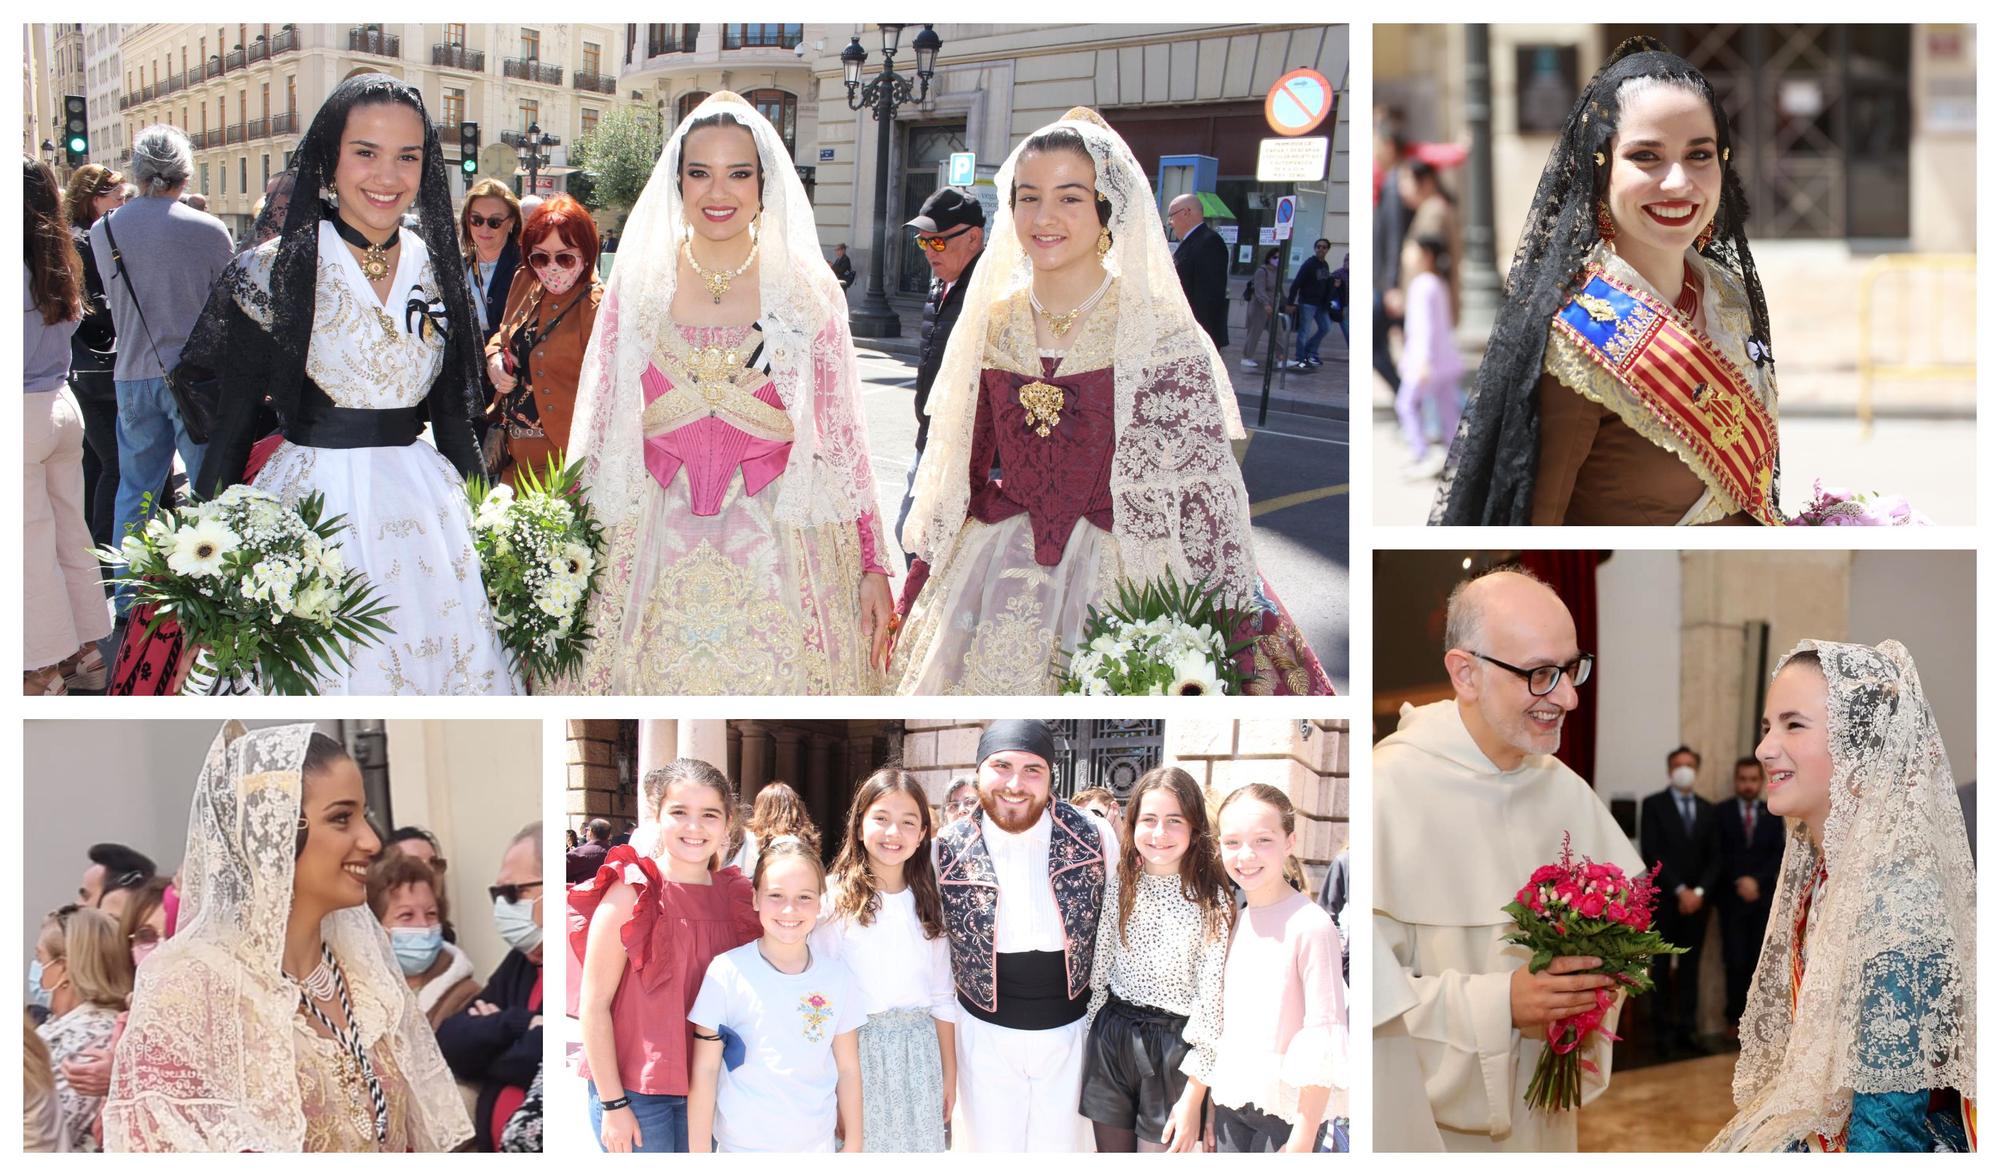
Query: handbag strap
x,y
118,260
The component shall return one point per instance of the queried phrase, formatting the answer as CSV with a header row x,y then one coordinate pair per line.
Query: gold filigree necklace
x,y
718,281
1059,324
374,259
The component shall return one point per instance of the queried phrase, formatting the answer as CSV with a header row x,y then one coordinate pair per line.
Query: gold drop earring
x,y
1103,241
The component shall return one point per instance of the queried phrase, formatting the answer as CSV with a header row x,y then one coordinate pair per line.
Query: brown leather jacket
x,y
554,365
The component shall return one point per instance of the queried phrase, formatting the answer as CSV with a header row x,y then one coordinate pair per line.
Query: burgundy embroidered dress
x,y
707,592
1038,546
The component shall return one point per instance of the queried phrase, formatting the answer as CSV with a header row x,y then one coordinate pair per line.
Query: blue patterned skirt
x,y
902,1083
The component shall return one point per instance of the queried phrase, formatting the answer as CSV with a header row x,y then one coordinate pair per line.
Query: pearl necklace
x,y
718,281
1059,324
319,983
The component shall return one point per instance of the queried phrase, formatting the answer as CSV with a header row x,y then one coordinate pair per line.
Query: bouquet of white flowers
x,y
261,588
539,551
1161,637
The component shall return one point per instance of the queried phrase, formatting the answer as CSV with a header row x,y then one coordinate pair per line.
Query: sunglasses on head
x,y
479,221
938,244
512,891
567,259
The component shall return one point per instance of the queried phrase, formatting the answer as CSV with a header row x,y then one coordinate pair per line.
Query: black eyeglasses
x,y
1542,679
488,222
512,891
938,244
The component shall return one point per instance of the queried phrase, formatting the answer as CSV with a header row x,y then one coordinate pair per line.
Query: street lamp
x,y
49,151
532,159
874,318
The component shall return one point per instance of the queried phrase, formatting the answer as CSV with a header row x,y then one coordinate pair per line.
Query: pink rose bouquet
x,y
1577,907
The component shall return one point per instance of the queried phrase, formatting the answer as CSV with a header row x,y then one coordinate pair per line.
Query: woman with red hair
x,y
536,354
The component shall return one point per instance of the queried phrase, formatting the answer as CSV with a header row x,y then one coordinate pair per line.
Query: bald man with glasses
x,y
1469,800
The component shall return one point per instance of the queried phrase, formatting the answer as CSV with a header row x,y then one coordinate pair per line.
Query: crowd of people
x,y
295,985
1008,971
709,388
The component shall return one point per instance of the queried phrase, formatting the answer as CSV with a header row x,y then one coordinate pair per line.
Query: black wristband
x,y
615,1104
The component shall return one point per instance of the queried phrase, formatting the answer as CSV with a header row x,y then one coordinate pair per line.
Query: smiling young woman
x,y
1628,379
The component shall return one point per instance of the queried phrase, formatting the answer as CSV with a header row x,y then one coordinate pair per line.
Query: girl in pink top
x,y
642,933
1430,367
1284,1020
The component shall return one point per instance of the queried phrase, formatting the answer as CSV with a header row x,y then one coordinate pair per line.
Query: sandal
x,y
88,672
44,683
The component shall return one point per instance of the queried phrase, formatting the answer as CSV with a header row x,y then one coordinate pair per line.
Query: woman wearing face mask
x,y
718,416
402,891
1628,379
84,975
1077,367
277,1019
1859,1031
357,334
534,358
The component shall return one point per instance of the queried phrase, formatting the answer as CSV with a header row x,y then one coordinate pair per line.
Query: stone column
x,y
828,809
1479,279
659,743
704,739
735,753
787,741
756,763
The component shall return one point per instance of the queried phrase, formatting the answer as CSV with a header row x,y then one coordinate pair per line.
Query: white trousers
x,y
1018,1088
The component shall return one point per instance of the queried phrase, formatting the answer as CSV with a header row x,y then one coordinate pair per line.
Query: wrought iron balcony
x,y
375,41
236,58
284,40
529,69
588,80
286,123
257,128
459,57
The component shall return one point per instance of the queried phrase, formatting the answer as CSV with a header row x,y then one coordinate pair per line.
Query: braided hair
x,y
1490,477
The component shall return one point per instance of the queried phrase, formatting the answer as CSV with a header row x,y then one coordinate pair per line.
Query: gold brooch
x,y
714,370
1597,308
1043,403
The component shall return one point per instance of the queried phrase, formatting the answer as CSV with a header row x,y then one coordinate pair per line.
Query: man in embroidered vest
x,y
1023,881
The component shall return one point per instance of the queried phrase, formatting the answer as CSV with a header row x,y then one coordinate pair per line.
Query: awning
x,y
1212,205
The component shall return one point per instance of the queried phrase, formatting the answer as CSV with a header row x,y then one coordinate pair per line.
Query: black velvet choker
x,y
374,258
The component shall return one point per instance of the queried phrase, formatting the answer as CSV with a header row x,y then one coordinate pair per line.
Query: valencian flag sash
x,y
1684,382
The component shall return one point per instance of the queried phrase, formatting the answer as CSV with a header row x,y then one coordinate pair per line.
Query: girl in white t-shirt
x,y
776,1068
883,918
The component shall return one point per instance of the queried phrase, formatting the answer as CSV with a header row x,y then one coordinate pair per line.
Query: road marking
x,y
1300,498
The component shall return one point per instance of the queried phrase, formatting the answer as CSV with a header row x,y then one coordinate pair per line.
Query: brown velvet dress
x,y
1595,470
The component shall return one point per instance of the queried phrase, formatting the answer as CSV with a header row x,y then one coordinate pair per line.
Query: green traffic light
x,y
77,143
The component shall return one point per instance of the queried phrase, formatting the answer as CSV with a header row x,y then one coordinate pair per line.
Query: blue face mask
x,y
416,947
37,995
516,923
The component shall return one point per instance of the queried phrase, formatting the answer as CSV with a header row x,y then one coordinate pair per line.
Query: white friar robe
x,y
1455,837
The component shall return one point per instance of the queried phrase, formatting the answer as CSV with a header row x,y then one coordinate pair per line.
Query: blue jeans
x,y
663,1120
1308,314
149,431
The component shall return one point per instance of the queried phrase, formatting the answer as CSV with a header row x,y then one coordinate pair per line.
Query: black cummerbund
x,y
322,424
1033,992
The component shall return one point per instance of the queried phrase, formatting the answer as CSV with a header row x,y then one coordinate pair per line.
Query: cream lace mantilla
x,y
1178,502
1887,999
210,1057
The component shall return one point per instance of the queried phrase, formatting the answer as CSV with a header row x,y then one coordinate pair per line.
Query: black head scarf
x,y
273,363
1030,735
1490,477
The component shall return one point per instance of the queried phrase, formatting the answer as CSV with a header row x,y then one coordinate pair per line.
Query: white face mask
x,y
1682,777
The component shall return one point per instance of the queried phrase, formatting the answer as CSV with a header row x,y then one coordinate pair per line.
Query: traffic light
x,y
468,148
76,129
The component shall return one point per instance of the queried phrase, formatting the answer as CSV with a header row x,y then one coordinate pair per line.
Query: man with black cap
x,y
114,871
951,233
1024,884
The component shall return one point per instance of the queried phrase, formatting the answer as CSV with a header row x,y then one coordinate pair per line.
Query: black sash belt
x,y
322,424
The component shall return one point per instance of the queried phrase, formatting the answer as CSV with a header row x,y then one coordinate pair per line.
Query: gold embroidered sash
x,y
713,381
1694,401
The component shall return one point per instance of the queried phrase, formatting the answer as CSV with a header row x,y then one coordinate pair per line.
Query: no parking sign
x,y
1288,211
1298,102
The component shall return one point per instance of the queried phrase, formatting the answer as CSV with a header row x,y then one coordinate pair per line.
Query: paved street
x,y
1295,468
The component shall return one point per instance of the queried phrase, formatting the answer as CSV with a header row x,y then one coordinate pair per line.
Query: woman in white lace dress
x,y
357,338
718,417
276,1019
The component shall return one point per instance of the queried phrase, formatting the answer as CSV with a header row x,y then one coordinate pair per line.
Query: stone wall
x,y
1307,759
598,774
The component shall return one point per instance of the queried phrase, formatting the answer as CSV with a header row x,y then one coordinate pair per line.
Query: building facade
x,y
245,93
825,760
104,81
1169,90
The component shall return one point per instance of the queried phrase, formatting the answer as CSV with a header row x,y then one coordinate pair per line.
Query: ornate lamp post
x,y
532,159
882,95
